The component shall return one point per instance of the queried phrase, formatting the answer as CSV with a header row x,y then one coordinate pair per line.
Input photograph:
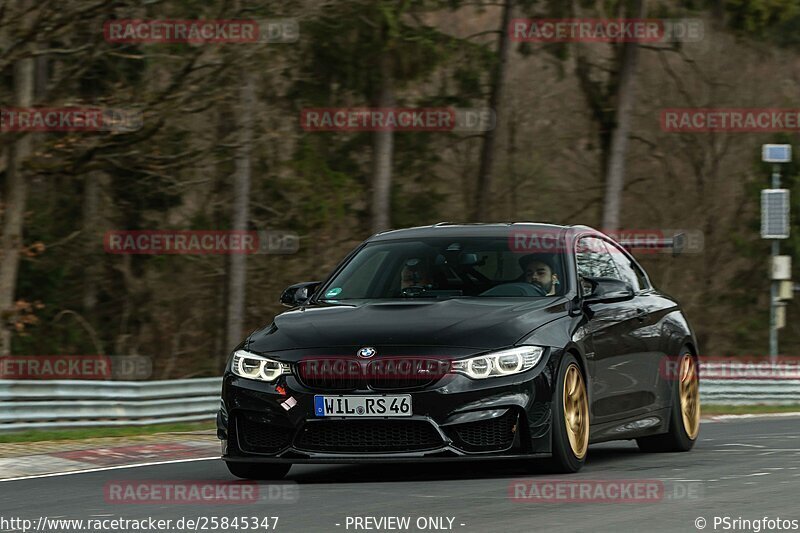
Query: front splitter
x,y
374,460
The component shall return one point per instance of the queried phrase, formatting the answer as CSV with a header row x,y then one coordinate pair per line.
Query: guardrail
x,y
750,382
750,391
74,404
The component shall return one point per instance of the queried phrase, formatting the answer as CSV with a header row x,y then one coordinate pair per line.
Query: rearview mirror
x,y
299,293
469,260
607,290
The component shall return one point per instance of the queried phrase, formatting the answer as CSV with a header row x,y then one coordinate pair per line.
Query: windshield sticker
x,y
333,292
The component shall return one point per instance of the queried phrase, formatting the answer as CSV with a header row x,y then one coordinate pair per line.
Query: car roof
x,y
451,229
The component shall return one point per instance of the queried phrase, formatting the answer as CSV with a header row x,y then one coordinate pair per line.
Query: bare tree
x,y
483,191
15,200
91,236
618,150
383,151
237,276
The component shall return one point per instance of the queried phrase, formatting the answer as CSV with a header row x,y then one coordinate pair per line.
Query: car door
x,y
651,308
620,385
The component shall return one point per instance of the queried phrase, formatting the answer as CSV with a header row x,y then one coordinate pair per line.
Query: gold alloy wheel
x,y
576,411
690,396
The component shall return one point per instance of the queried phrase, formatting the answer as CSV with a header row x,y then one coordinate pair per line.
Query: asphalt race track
x,y
741,468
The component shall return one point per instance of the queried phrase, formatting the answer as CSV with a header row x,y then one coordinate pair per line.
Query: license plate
x,y
357,406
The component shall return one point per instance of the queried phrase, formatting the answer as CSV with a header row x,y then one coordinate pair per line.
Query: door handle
x,y
641,314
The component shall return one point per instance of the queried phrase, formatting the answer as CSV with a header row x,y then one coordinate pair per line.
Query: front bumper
x,y
454,418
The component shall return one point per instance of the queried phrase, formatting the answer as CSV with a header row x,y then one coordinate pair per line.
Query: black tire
x,y
564,459
677,439
265,471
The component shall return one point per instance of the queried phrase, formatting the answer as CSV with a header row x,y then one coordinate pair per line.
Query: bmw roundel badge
x,y
366,353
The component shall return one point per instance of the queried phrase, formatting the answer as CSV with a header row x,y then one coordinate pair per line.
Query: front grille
x,y
493,434
368,436
331,374
259,436
381,374
408,373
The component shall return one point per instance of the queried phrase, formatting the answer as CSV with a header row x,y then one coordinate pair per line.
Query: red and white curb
x,y
105,458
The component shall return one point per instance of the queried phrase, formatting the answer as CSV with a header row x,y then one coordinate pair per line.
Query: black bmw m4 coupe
x,y
461,342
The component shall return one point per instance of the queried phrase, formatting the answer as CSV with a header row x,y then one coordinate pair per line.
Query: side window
x,y
626,269
595,261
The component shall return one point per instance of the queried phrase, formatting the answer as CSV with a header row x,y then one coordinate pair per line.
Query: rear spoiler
x,y
654,243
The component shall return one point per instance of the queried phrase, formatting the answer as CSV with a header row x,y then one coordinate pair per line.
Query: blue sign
x,y
776,153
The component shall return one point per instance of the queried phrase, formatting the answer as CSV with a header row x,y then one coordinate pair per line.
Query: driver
x,y
538,269
415,274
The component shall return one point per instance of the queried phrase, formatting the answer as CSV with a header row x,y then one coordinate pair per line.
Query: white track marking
x,y
722,418
104,468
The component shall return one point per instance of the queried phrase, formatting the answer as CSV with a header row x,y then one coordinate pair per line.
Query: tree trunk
x,y
15,200
219,214
618,149
481,202
513,175
237,275
91,239
382,154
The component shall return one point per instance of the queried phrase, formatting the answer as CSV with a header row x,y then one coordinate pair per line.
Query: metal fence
x,y
746,383
749,392
75,404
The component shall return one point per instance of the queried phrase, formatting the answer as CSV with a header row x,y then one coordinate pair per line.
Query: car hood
x,y
470,323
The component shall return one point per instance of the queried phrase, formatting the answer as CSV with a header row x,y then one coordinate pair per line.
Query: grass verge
x,y
747,409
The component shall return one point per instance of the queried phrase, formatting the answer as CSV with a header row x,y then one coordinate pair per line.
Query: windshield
x,y
446,268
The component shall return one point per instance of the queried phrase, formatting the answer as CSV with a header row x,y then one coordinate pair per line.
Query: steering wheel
x,y
413,290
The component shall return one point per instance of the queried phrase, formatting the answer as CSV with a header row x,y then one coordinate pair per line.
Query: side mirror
x,y
607,290
299,293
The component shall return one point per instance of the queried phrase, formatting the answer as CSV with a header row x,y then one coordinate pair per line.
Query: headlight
x,y
502,363
252,366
